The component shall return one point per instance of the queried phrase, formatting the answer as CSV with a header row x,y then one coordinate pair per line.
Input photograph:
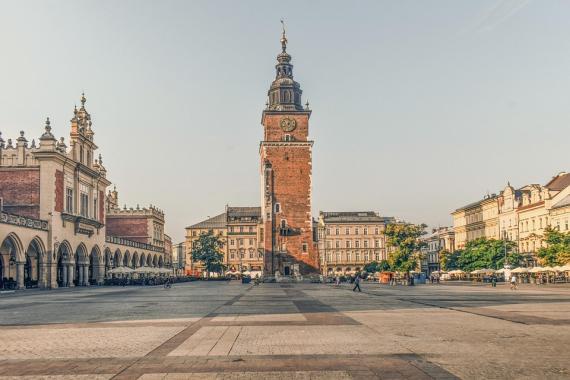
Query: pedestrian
x,y
494,281
513,282
337,280
357,283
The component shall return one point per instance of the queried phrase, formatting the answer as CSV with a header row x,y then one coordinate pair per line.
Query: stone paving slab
x,y
82,343
296,375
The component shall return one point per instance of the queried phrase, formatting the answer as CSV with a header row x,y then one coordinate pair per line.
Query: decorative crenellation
x,y
138,211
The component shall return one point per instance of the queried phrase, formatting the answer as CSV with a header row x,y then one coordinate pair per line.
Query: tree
x,y
557,251
376,266
207,249
404,238
484,253
448,260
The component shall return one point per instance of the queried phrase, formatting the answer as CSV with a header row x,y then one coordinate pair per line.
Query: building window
x,y
366,231
328,231
250,241
376,231
348,244
329,244
337,244
357,244
69,200
347,231
376,243
240,242
305,247
348,256
240,229
366,256
377,256
356,230
338,257
329,257
251,254
193,233
232,255
83,204
232,242
337,231
365,243
357,256
250,228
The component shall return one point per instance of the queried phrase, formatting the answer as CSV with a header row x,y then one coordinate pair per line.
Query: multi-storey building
x,y
536,209
286,167
53,222
442,238
522,215
347,241
476,220
178,259
240,230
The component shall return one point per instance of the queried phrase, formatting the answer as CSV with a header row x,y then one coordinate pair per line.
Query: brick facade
x,y
132,228
20,191
58,191
101,206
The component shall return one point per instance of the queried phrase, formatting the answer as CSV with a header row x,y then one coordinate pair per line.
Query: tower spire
x,y
284,93
283,37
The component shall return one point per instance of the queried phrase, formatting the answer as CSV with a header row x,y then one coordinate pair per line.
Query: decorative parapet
x,y
132,243
23,221
150,211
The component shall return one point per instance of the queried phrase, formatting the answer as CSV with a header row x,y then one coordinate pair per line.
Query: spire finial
x,y
83,99
48,125
283,37
100,159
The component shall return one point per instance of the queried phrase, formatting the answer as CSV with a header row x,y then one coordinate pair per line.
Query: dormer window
x,y
277,208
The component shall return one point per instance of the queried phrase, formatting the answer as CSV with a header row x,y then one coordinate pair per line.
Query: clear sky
x,y
419,107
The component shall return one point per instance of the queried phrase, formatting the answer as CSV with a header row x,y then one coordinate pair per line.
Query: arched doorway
x,y
93,275
63,275
143,260
160,262
117,259
32,265
135,260
127,259
149,260
81,262
154,261
10,251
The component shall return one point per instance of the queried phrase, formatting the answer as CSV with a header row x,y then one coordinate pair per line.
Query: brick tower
x,y
286,164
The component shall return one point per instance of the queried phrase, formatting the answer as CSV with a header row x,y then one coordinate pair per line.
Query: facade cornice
x,y
286,143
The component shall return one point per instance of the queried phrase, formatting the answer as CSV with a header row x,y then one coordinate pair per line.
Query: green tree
x,y
376,266
557,250
448,260
404,238
486,253
208,249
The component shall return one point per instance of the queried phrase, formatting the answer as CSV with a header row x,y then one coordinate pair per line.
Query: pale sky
x,y
419,107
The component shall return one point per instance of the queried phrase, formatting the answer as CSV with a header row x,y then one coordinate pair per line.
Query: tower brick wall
x,y
132,228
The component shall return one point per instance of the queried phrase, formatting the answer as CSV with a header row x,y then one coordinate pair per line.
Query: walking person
x,y
513,282
337,281
357,283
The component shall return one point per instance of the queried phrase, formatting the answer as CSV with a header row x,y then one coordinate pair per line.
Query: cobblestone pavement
x,y
220,330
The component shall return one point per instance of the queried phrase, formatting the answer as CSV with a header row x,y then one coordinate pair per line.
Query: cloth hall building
x,y
59,227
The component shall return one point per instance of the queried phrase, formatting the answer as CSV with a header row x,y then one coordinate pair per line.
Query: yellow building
x,y
240,230
476,220
347,241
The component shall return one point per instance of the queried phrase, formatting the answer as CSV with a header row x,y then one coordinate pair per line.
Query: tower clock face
x,y
288,124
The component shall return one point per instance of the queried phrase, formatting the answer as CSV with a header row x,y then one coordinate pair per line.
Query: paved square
x,y
221,330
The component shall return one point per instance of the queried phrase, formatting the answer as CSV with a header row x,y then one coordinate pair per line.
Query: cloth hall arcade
x,y
55,213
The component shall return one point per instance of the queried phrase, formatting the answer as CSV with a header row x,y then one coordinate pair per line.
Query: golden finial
x,y
283,37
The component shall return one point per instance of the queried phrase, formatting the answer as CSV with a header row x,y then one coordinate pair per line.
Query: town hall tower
x,y
286,165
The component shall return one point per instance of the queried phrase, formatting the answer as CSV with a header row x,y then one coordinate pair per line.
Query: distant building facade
x,y
347,241
441,238
240,229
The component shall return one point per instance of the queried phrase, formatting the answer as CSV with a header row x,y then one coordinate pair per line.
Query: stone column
x,y
80,279
64,276
70,275
20,276
86,275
